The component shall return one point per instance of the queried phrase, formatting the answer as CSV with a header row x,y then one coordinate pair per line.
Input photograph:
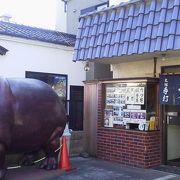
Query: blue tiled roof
x,y
135,27
39,34
3,50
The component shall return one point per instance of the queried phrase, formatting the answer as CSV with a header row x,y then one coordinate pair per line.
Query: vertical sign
x,y
166,89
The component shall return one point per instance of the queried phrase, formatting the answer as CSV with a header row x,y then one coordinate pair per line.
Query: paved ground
x,y
90,169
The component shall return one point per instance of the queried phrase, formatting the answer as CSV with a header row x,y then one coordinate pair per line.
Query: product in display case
x,y
130,103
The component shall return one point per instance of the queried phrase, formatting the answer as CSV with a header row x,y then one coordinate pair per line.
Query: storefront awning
x,y
133,28
3,50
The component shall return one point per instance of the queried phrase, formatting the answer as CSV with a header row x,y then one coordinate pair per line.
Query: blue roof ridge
x,y
122,4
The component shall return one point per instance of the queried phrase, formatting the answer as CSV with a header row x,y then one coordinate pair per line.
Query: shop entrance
x,y
173,135
170,103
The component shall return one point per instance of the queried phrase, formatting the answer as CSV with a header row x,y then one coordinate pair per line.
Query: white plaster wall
x,y
69,21
133,69
141,68
168,62
27,55
61,17
73,12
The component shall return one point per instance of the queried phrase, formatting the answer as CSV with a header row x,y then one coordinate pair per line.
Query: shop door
x,y
173,135
171,118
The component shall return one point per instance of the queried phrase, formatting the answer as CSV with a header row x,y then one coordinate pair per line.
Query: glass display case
x,y
131,104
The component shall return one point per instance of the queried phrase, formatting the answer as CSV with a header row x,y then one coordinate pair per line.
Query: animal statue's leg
x,y
2,161
27,159
51,161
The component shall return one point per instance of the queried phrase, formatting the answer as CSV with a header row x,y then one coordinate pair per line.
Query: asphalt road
x,y
90,169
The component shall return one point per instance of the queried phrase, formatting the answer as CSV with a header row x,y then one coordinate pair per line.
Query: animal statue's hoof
x,y
49,163
27,160
2,174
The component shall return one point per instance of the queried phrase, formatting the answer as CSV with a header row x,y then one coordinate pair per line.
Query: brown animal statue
x,y
32,117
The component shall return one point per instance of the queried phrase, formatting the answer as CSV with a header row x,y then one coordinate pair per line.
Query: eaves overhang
x,y
137,57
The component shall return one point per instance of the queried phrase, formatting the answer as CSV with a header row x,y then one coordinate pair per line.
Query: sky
x,y
38,13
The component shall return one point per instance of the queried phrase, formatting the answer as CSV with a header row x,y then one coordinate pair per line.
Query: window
x,y
57,81
130,105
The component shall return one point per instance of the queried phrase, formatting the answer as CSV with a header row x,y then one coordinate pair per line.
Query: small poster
x,y
139,95
134,116
126,116
135,95
138,116
118,114
108,118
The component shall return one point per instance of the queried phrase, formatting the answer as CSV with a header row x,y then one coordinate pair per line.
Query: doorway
x,y
172,135
171,116
76,108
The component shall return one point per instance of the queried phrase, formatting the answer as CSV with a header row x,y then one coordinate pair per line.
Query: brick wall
x,y
129,147
140,149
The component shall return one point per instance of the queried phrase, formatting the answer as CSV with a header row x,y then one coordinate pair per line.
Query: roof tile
x,y
164,44
164,4
39,34
170,43
98,51
158,44
96,19
125,48
135,47
173,27
146,45
177,3
111,51
162,16
160,30
176,42
153,45
121,13
117,37
115,50
115,26
130,48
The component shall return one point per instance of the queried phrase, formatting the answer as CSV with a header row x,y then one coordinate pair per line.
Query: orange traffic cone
x,y
64,162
